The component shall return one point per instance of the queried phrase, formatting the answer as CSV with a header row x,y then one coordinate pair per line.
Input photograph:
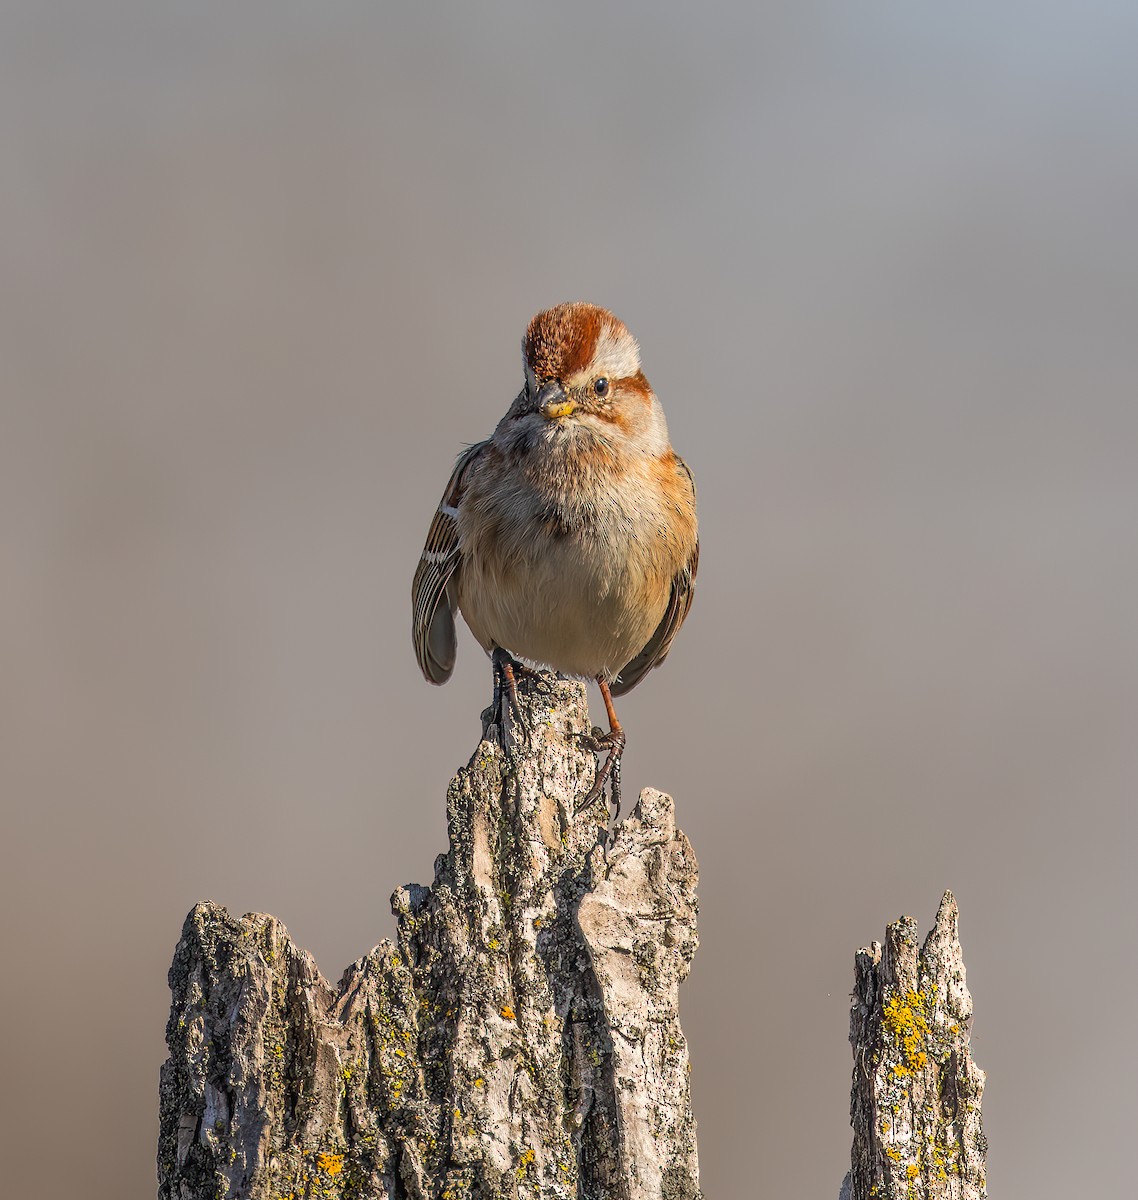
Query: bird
x,y
568,538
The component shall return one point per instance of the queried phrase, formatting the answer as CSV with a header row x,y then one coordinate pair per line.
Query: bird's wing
x,y
432,610
679,602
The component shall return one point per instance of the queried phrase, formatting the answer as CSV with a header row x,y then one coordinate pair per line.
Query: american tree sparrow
x,y
567,538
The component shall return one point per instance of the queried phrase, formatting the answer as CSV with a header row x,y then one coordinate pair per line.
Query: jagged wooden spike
x,y
915,1102
521,1038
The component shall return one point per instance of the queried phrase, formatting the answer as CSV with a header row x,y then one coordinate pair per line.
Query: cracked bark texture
x,y
915,1102
520,1039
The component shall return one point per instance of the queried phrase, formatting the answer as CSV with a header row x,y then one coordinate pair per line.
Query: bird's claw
x,y
505,711
598,741
609,771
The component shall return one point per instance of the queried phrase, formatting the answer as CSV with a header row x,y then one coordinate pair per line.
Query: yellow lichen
x,y
904,1019
332,1164
507,1012
524,1162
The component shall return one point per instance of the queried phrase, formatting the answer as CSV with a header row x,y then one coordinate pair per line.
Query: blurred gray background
x,y
264,270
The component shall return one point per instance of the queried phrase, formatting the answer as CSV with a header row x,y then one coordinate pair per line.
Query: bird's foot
x,y
505,711
609,771
541,680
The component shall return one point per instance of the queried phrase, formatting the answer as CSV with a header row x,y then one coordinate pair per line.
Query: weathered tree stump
x,y
915,1103
520,1039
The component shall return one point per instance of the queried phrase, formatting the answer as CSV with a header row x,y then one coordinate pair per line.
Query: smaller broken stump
x,y
915,1102
520,1040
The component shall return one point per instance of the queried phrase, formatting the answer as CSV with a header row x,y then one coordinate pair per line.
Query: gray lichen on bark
x,y
520,1039
915,1102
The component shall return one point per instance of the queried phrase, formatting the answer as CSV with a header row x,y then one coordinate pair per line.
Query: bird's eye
x,y
601,386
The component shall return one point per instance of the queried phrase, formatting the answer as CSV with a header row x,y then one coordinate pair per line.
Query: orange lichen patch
x,y
524,1163
331,1164
904,1018
508,1012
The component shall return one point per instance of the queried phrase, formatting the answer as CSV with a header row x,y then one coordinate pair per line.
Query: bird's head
x,y
583,381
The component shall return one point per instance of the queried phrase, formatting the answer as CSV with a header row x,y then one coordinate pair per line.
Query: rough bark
x,y
915,1103
521,1038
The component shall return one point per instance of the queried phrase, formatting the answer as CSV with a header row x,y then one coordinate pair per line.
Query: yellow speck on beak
x,y
553,412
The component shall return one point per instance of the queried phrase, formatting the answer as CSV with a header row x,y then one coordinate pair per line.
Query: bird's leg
x,y
505,707
492,716
599,741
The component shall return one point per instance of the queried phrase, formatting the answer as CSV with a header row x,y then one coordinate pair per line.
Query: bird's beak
x,y
552,402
